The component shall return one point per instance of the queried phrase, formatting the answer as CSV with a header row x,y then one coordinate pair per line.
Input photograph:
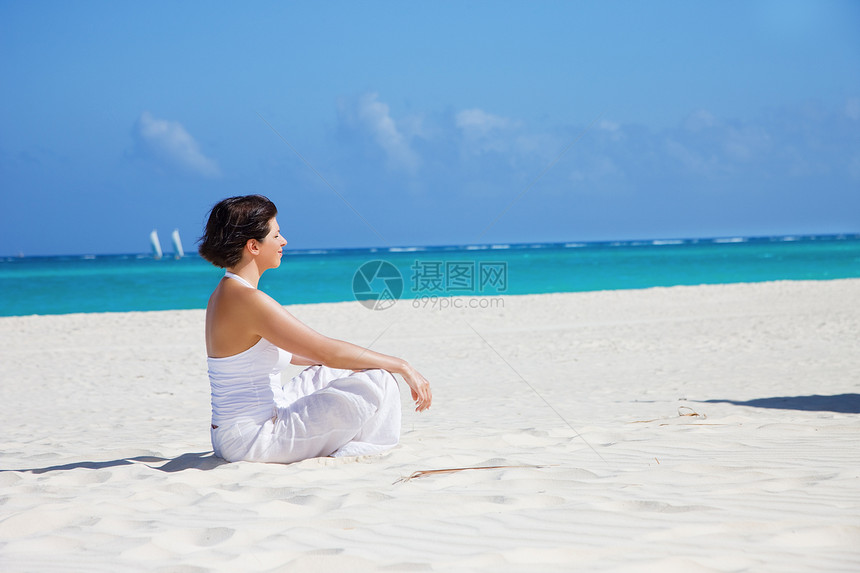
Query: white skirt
x,y
321,412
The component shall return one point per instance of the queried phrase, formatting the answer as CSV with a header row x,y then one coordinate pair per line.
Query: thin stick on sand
x,y
425,473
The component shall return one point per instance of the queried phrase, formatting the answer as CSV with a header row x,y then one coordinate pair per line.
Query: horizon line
x,y
661,241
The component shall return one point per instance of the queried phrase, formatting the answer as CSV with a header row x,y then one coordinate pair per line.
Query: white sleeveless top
x,y
244,385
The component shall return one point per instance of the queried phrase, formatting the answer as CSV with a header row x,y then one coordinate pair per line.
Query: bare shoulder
x,y
256,307
261,301
238,316
233,319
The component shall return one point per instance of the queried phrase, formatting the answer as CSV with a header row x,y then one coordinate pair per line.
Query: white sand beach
x,y
683,429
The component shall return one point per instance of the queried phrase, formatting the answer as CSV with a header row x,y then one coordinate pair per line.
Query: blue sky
x,y
430,123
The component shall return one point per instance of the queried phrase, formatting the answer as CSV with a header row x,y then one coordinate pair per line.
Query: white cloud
x,y
477,122
692,158
168,142
483,132
607,125
376,116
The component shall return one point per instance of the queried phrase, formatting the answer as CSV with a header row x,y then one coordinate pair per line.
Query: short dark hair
x,y
232,223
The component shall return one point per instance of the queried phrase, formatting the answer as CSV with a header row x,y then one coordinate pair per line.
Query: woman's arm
x,y
297,360
275,323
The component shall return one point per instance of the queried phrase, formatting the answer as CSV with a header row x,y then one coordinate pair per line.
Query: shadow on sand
x,y
841,403
189,461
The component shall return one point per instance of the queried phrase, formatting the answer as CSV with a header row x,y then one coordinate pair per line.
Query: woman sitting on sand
x,y
345,404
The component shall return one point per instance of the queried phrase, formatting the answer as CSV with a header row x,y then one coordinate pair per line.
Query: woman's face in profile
x,y
271,248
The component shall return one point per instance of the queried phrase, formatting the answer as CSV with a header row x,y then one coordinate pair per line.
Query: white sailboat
x,y
156,244
178,252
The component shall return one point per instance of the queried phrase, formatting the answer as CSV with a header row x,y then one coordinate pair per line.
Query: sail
x,y
178,252
156,244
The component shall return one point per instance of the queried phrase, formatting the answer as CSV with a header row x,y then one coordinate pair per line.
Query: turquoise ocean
x,y
121,283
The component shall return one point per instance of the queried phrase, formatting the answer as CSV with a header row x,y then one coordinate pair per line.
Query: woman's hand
x,y
419,386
